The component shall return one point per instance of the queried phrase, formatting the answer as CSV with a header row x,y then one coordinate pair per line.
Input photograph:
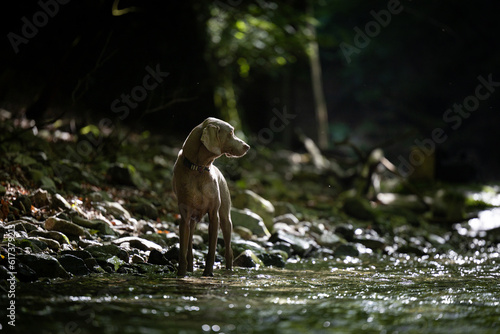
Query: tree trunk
x,y
317,86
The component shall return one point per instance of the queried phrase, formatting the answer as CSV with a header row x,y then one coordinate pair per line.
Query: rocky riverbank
x,y
64,213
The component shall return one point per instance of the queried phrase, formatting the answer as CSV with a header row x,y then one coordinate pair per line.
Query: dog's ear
x,y
210,138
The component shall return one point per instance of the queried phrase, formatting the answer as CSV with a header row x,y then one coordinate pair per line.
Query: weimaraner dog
x,y
201,188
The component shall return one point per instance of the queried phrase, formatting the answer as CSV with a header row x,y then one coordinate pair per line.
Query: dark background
x,y
243,60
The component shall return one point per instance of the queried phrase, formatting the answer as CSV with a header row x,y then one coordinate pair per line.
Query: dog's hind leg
x,y
226,227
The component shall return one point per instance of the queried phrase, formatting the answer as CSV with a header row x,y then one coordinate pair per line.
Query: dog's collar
x,y
197,168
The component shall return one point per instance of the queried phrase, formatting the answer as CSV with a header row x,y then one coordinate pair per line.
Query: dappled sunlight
x,y
422,294
486,220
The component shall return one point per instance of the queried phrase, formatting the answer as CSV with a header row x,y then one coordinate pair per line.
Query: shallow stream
x,y
352,295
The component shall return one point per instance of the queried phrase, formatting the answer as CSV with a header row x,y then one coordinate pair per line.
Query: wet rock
x,y
358,207
20,235
52,244
23,204
436,239
243,232
20,225
329,240
410,249
283,247
300,246
40,198
90,262
147,268
494,235
117,210
345,231
145,209
288,219
138,243
63,226
371,241
255,203
81,254
285,228
172,239
57,236
137,259
33,243
346,250
240,245
84,243
44,265
173,253
59,202
317,227
100,225
247,259
105,252
25,273
274,259
145,227
127,269
250,220
116,262
4,273
160,239
74,265
158,257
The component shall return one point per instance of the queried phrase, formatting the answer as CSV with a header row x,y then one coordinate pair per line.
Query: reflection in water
x,y
445,293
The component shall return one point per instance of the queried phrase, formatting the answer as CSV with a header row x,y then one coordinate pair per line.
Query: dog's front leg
x,y
190,259
213,229
185,243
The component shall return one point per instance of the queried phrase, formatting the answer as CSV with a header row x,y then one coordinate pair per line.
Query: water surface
x,y
442,294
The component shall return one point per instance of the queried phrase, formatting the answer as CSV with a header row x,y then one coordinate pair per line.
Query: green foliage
x,y
263,36
90,128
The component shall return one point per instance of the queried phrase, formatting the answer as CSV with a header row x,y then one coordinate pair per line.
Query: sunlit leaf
x,y
90,128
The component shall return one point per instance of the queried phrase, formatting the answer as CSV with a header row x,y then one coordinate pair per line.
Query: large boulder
x,y
248,259
43,265
250,220
138,243
250,200
63,226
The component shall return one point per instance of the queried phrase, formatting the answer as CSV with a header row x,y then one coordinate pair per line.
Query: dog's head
x,y
219,138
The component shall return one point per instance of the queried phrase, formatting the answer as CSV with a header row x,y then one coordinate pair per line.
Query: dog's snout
x,y
246,147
